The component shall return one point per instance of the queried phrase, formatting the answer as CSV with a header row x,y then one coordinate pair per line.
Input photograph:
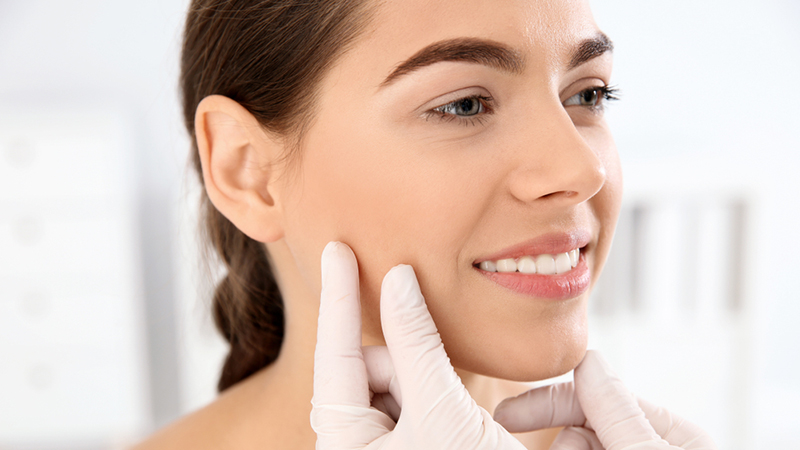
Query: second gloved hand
x,y
599,413
437,412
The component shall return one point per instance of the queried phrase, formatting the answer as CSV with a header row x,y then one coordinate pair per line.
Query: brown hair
x,y
269,56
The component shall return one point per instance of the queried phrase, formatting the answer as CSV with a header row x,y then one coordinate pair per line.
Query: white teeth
x,y
489,266
506,265
526,264
544,264
563,263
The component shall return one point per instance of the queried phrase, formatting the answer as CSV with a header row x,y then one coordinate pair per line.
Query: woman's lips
x,y
552,243
555,287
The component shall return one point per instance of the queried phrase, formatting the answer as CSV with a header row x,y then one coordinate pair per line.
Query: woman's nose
x,y
555,164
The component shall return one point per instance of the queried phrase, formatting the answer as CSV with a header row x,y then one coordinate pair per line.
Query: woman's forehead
x,y
546,32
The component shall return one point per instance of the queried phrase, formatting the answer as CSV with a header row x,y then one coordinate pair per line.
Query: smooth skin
x,y
380,170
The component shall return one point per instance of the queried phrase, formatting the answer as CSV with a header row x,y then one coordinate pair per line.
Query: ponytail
x,y
247,304
269,56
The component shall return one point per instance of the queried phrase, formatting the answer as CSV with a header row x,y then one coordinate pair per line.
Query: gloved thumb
x,y
382,380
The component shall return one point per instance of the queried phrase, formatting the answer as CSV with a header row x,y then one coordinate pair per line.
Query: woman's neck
x,y
296,363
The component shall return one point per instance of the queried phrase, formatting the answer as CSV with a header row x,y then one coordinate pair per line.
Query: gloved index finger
x,y
340,376
550,406
610,409
424,373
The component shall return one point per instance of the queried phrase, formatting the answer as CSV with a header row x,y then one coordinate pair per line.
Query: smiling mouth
x,y
543,264
547,276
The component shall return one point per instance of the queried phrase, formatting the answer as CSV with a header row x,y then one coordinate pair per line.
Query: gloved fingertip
x,y
595,357
325,259
400,285
500,412
594,365
504,404
336,253
330,246
506,415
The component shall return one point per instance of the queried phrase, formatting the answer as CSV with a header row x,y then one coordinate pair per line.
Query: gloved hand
x,y
599,413
437,412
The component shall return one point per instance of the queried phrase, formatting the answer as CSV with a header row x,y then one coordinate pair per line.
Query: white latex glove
x,y
437,412
599,413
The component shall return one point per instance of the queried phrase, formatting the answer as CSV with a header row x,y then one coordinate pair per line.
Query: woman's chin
x,y
538,371
536,366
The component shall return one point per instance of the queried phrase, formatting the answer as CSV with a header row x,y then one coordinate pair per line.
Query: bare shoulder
x,y
200,430
258,413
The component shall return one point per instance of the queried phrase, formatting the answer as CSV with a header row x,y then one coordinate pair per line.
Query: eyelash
x,y
605,93
486,104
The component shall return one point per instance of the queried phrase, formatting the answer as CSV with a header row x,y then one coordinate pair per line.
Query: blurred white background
x,y
104,327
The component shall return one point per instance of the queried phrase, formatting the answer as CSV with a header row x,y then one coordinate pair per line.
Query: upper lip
x,y
551,243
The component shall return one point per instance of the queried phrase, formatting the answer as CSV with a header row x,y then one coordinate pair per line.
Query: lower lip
x,y
554,287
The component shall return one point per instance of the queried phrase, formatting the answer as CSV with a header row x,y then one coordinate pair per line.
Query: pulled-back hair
x,y
269,56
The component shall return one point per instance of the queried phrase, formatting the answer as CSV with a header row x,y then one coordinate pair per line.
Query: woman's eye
x,y
464,107
592,98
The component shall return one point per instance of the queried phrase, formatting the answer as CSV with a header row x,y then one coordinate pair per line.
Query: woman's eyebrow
x,y
490,53
591,48
480,51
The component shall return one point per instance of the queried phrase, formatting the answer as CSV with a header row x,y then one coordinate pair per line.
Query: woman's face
x,y
455,132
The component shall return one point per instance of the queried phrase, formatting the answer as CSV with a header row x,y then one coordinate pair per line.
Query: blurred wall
x,y
119,60
709,111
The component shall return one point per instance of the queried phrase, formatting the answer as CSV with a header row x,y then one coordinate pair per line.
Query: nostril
x,y
567,194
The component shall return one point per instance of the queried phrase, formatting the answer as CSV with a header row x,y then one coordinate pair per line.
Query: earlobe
x,y
239,158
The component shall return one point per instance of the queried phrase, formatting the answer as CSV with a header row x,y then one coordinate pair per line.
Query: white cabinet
x,y
72,354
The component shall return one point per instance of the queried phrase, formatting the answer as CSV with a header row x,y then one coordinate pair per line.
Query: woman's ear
x,y
239,160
